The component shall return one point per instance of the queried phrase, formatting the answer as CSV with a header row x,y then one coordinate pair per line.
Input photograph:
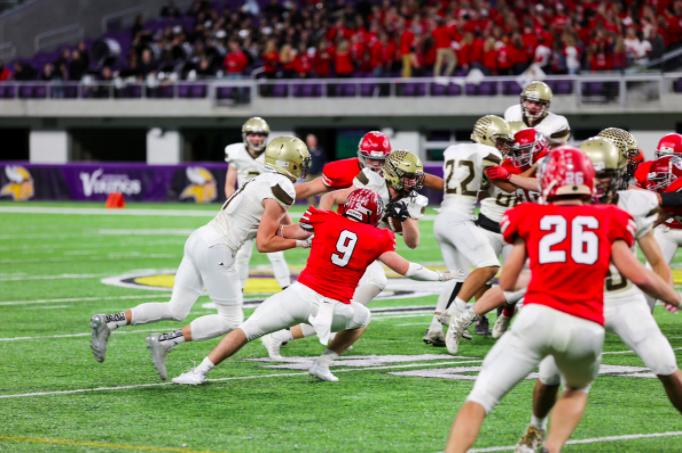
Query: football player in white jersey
x,y
402,177
533,111
256,210
463,244
625,309
247,161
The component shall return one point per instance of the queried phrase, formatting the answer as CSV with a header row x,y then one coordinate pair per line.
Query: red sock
x,y
508,310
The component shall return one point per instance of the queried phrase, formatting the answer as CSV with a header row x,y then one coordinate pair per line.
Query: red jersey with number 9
x,y
570,251
341,251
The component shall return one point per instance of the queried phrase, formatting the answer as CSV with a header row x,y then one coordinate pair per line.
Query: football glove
x,y
397,210
449,275
497,172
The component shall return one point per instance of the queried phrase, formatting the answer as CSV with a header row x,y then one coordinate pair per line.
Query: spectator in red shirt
x,y
517,54
505,64
235,61
322,61
303,64
270,59
407,50
489,62
344,62
600,59
620,58
5,75
286,59
442,36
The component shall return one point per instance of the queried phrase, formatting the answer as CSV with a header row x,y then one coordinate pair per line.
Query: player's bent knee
x,y
488,402
361,316
550,380
181,303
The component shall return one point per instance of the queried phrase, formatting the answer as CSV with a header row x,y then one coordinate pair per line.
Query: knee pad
x,y
211,326
659,356
549,372
181,303
361,316
486,400
233,315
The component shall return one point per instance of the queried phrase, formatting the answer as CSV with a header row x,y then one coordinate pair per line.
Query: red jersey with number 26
x,y
570,250
341,251
340,174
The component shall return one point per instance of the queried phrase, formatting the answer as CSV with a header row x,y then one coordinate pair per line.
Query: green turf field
x,y
401,400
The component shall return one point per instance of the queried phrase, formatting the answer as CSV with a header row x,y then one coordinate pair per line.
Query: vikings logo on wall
x,y
20,185
262,284
202,185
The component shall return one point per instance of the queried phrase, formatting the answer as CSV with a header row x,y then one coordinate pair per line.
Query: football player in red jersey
x,y
372,151
669,145
342,248
570,246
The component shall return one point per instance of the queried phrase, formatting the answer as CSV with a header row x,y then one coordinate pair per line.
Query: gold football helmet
x,y
607,159
489,129
255,125
288,156
516,126
536,92
404,164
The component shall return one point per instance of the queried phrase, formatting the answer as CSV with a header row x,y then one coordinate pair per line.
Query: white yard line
x,y
51,277
75,299
589,441
262,376
73,335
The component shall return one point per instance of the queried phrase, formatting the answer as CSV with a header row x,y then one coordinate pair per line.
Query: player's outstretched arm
x,y
294,232
434,182
513,266
328,201
308,189
230,181
416,271
630,267
268,238
654,256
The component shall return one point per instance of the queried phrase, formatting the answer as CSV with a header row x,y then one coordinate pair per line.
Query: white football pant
x,y
539,332
500,247
294,306
633,323
280,269
372,283
201,267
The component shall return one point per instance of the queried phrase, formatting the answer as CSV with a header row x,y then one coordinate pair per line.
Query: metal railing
x,y
630,90
59,36
122,15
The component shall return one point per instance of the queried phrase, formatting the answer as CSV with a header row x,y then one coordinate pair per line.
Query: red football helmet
x,y
529,145
669,145
566,171
364,205
374,145
663,172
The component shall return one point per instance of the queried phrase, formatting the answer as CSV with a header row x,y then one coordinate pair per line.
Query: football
x,y
394,225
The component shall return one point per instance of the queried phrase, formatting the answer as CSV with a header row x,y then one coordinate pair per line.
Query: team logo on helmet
x,y
202,185
20,185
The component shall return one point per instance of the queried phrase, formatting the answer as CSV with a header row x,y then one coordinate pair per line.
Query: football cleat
x,y
444,318
483,326
192,377
322,373
100,337
435,338
273,345
458,325
501,325
531,441
159,350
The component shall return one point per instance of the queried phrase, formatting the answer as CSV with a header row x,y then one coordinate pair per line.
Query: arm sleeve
x,y
671,200
511,223
388,243
330,174
622,226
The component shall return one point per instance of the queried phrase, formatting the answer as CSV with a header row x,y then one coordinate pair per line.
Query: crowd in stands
x,y
338,38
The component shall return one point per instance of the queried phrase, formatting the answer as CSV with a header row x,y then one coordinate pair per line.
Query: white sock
x,y
365,293
172,338
458,306
327,358
116,320
283,335
280,270
205,366
435,324
539,423
307,330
